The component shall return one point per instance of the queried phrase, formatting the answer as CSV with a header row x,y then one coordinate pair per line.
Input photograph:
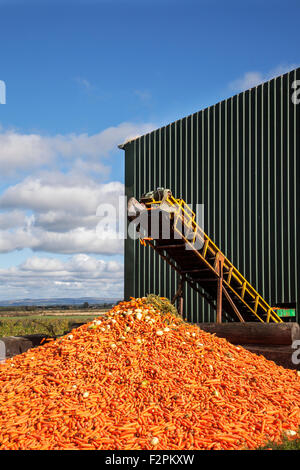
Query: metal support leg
x,y
177,294
234,307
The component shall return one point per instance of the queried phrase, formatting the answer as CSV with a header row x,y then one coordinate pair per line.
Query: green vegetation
x,y
34,324
163,304
286,444
52,320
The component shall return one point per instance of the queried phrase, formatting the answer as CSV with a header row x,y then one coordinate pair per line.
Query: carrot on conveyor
x,y
143,379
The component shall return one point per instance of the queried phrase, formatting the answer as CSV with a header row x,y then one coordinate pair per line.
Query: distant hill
x,y
56,301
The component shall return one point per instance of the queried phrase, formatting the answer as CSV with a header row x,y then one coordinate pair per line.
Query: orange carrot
x,y
142,379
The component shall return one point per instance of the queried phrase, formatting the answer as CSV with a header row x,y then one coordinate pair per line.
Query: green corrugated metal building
x,y
241,159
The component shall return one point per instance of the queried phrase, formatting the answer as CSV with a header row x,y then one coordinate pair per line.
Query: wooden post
x,y
181,305
219,268
219,299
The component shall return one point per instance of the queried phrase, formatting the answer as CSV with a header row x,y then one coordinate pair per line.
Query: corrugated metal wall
x,y
239,158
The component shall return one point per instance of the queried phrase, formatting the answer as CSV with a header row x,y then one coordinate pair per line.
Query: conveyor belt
x,y
198,261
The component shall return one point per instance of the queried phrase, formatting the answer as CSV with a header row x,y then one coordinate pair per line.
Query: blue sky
x,y
82,76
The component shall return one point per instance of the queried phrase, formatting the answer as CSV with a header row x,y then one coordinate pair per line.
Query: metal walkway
x,y
179,240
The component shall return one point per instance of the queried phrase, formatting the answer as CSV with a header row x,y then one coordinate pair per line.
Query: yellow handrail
x,y
187,215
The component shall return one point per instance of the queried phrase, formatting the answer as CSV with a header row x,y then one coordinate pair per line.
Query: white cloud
x,y
26,151
40,195
12,219
19,151
249,80
15,240
52,206
63,218
42,265
77,276
254,78
77,240
60,221
84,83
80,265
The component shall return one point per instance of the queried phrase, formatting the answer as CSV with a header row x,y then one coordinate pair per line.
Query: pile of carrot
x,y
140,379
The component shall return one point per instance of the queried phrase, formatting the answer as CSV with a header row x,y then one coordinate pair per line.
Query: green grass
x,y
287,444
34,324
